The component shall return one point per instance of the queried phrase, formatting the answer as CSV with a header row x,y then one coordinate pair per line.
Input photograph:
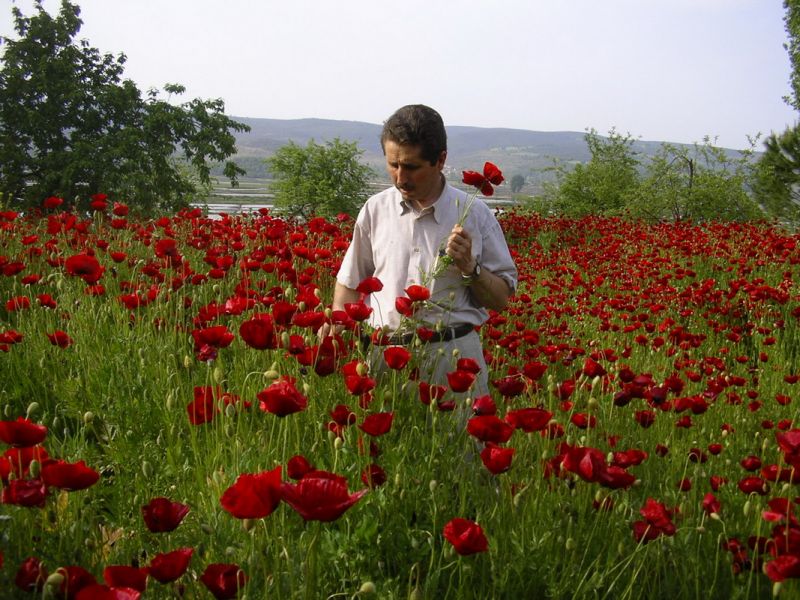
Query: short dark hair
x,y
416,125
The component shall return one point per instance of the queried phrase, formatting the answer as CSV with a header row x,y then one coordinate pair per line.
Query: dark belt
x,y
445,335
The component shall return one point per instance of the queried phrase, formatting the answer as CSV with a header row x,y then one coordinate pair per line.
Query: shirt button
x,y
416,250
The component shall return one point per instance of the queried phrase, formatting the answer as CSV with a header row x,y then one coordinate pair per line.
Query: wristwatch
x,y
476,272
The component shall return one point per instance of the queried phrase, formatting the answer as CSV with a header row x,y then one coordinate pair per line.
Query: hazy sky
x,y
673,70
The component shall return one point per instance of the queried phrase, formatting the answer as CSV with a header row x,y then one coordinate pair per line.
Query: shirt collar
x,y
443,204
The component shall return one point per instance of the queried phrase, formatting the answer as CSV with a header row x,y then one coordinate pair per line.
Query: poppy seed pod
x,y
367,588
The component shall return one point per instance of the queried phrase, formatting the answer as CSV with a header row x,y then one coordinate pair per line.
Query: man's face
x,y
418,180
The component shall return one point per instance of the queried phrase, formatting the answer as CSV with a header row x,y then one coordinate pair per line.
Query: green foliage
x,y
70,126
517,181
697,183
777,183
792,22
319,179
603,185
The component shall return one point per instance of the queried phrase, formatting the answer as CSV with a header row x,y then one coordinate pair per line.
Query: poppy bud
x,y
416,594
338,443
289,293
248,524
306,388
170,401
456,352
271,375
187,361
776,589
328,313
595,381
7,410
55,579
570,544
432,485
592,403
32,408
147,469
331,435
35,468
301,306
206,528
367,588
397,480
230,411
216,288
785,488
218,375
361,369
746,508
218,478
88,417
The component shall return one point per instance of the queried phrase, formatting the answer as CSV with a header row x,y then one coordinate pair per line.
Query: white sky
x,y
666,70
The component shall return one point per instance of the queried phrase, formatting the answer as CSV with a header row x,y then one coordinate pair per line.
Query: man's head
x,y
417,125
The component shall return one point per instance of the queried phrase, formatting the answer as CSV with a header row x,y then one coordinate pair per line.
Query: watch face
x,y
477,272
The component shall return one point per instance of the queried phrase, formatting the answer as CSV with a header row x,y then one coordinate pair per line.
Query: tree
x,y
604,184
777,183
698,183
517,181
70,126
791,21
320,179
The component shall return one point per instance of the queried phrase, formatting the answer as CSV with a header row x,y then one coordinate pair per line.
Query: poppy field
x,y
173,428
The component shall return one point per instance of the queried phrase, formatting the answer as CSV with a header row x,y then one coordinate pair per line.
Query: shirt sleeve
x,y
357,263
495,255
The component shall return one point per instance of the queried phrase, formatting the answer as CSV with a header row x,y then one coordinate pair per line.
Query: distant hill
x,y
515,151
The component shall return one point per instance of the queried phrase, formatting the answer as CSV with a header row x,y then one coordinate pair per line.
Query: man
x,y
402,232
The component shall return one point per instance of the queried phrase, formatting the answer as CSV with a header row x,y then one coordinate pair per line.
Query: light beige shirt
x,y
399,245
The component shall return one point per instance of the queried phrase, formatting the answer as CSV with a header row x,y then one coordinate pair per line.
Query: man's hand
x,y
459,248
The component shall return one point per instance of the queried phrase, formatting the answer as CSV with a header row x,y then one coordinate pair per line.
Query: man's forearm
x,y
490,290
343,295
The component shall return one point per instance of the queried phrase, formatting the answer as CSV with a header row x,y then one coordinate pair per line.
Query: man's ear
x,y
442,160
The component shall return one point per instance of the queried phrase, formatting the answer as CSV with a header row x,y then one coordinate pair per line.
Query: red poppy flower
x,y
22,432
253,496
320,496
67,476
120,209
52,202
396,357
358,311
484,405
658,521
31,575
510,386
418,293
162,515
460,381
169,566
369,285
786,566
754,485
710,504
404,306
203,408
491,176
466,536
282,398
60,339
84,266
24,492
18,303
298,465
359,384
217,336
489,428
468,364
428,392
259,333
373,476
377,424
496,458
75,579
123,576
99,202
223,580
529,419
